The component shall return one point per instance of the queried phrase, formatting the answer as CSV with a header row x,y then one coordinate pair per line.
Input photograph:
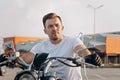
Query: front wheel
x,y
26,75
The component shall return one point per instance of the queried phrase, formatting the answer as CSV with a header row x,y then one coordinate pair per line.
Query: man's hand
x,y
93,59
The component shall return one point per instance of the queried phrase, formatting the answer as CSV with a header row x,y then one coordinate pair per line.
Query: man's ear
x,y
45,31
62,28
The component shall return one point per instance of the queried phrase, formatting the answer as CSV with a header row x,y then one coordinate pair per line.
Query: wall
x,y
21,39
113,44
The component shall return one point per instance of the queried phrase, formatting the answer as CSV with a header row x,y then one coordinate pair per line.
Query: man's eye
x,y
50,26
57,25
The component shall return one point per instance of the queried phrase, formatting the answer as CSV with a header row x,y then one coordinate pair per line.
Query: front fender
x,y
27,75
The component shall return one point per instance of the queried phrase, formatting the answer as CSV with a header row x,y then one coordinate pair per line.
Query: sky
x,y
24,17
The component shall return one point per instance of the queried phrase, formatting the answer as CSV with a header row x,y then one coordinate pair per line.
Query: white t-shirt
x,y
64,49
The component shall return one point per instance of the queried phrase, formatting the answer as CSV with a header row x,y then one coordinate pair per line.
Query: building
x,y
21,42
107,43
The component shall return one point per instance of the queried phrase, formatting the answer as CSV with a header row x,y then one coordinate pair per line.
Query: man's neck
x,y
57,41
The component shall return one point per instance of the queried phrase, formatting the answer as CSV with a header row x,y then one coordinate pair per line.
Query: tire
x,y
26,75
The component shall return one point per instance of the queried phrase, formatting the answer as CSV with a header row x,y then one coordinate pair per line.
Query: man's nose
x,y
54,28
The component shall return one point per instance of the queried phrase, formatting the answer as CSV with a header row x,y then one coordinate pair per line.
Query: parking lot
x,y
103,74
93,74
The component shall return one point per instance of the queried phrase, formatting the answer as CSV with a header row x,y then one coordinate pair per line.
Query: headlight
x,y
26,75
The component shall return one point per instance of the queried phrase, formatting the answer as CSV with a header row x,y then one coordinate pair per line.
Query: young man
x,y
59,45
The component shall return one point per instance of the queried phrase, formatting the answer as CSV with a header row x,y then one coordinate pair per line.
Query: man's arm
x,y
82,50
89,57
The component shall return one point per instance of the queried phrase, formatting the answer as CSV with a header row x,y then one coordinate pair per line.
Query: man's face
x,y
53,28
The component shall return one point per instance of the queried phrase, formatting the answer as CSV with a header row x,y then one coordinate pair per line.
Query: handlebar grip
x,y
93,59
4,62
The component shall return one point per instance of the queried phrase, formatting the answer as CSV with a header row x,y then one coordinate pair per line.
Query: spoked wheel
x,y
26,75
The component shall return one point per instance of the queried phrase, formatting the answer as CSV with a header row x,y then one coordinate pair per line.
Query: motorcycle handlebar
x,y
5,62
78,61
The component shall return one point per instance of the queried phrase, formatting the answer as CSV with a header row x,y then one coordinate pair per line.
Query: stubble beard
x,y
54,37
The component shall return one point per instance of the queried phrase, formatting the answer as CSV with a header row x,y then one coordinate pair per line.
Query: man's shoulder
x,y
43,42
71,38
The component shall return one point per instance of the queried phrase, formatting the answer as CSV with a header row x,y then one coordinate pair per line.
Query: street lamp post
x,y
81,36
94,19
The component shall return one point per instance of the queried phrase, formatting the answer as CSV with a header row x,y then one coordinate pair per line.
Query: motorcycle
x,y
39,70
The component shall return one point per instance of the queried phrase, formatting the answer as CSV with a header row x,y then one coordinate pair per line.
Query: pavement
x,y
93,74
103,73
